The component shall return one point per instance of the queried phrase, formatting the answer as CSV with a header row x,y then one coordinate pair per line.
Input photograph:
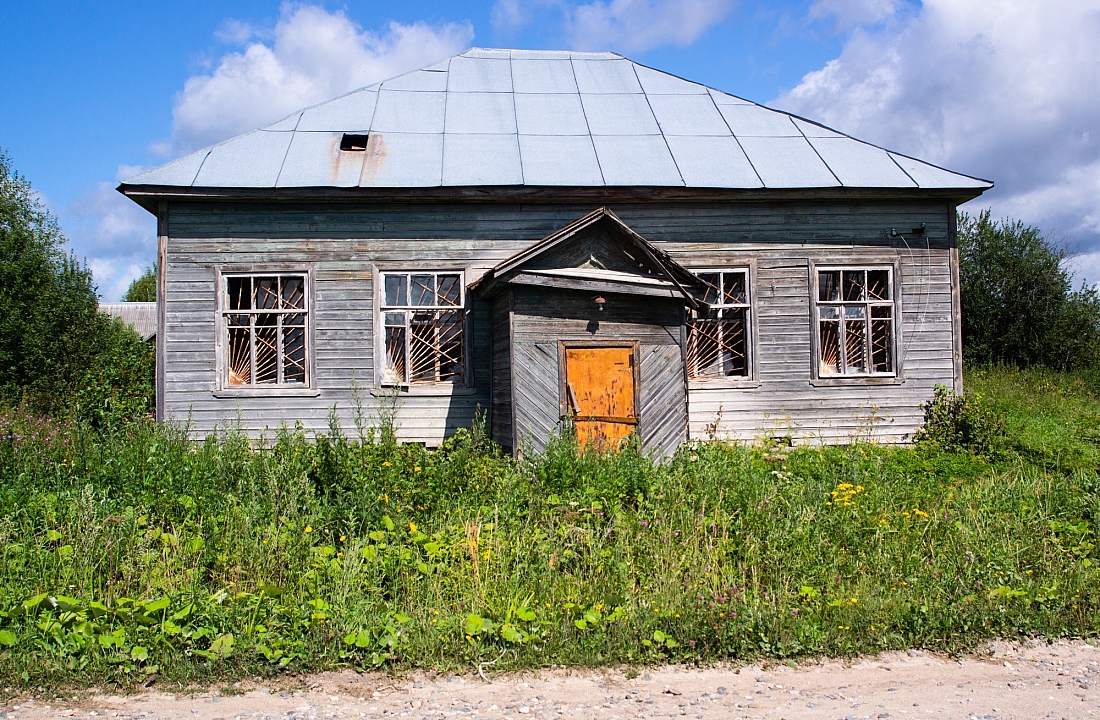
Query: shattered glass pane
x,y
718,344
450,290
829,285
710,291
294,293
854,284
240,355
394,371
294,349
422,289
855,342
878,284
436,347
733,287
397,293
882,339
266,293
240,293
830,347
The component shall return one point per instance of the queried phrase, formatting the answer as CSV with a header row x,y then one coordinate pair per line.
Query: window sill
x,y
856,380
435,390
266,392
724,384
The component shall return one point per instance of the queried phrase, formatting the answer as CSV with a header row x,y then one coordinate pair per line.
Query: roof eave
x,y
148,196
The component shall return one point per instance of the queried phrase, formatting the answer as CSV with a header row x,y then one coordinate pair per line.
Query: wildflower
x,y
309,528
416,469
386,464
343,538
412,527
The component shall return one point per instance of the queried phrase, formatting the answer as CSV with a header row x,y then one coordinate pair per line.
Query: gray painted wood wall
x,y
346,243
542,319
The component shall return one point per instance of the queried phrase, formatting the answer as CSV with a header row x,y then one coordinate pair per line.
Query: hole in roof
x,y
353,143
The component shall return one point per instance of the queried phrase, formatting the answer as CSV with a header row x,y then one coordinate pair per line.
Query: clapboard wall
x,y
542,319
346,243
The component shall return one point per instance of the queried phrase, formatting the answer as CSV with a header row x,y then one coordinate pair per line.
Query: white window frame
x,y
222,386
893,301
749,270
446,386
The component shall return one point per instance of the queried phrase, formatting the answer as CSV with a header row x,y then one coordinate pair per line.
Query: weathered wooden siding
x,y
343,241
543,317
501,402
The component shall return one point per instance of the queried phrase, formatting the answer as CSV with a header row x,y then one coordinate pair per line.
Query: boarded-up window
x,y
855,321
265,330
718,338
423,324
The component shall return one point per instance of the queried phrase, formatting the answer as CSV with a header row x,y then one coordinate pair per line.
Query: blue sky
x,y
1008,89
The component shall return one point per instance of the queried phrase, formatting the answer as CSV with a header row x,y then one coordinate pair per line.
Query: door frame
x,y
563,383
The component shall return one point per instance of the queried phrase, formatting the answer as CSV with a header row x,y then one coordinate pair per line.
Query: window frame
x,y
222,388
381,385
896,376
748,380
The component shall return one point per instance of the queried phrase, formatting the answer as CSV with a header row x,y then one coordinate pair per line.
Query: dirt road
x,y
1032,681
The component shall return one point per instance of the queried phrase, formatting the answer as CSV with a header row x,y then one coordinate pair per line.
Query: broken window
x,y
855,321
718,338
265,325
423,323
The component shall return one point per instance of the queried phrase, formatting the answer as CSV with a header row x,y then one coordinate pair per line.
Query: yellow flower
x,y
342,538
416,469
412,527
340,554
309,529
386,464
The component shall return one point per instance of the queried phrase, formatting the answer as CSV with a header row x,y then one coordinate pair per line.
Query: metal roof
x,y
141,316
537,118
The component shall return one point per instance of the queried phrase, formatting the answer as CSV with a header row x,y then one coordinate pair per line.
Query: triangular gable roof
x,y
533,118
665,276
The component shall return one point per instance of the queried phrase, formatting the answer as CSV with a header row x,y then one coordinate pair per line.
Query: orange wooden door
x,y
600,388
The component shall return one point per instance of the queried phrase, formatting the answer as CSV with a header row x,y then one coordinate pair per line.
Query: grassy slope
x,y
124,553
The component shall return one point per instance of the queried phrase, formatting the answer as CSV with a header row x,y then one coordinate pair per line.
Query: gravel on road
x,y
1009,680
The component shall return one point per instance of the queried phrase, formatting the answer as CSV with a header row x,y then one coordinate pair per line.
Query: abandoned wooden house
x,y
554,237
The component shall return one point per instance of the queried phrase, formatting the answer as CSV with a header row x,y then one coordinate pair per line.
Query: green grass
x,y
129,551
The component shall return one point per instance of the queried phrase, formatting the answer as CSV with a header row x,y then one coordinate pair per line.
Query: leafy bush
x,y
961,423
1017,300
121,386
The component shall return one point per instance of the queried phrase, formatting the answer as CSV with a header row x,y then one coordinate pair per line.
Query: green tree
x,y
143,288
50,327
1017,299
58,353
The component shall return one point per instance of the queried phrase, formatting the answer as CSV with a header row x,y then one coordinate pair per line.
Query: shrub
x,y
961,423
1017,300
121,386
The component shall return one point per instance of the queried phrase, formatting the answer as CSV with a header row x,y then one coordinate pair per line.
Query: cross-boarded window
x,y
855,321
718,338
424,327
265,330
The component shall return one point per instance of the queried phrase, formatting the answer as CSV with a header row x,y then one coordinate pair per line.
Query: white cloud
x,y
624,25
314,55
1002,90
310,56
849,14
117,238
